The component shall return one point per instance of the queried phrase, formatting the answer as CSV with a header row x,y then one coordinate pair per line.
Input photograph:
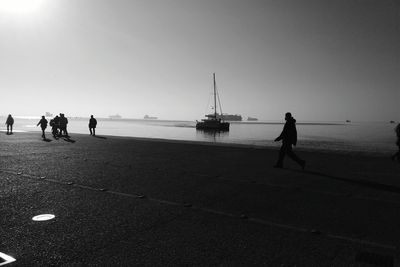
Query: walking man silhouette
x,y
289,138
43,125
397,154
92,125
9,122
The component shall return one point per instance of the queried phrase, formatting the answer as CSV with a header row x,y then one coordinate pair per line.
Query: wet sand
x,y
129,201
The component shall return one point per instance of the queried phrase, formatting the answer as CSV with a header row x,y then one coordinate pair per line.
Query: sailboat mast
x,y
215,99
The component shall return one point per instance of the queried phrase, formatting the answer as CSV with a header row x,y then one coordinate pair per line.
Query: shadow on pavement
x,y
360,182
69,140
100,137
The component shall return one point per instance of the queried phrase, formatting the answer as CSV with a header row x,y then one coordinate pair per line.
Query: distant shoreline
x,y
267,147
193,121
312,136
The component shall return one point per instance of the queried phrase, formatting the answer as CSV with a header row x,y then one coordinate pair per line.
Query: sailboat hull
x,y
212,125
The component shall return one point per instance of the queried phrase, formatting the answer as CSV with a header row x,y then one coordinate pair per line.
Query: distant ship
x,y
231,117
251,119
392,121
48,114
115,117
227,117
214,122
147,117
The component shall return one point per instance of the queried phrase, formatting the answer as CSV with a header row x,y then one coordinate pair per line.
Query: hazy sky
x,y
321,60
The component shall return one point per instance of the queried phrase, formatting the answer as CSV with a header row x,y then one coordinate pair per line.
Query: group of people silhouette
x,y
58,125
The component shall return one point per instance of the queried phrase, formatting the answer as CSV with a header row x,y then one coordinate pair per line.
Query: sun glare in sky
x,y
20,6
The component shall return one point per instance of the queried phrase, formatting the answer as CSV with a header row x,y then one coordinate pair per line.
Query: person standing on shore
x,y
289,138
397,154
53,126
56,126
43,125
92,125
9,123
63,121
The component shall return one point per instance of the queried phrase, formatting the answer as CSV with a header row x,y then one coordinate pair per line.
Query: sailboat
x,y
213,121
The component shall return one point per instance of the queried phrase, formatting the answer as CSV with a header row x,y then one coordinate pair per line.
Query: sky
x,y
321,60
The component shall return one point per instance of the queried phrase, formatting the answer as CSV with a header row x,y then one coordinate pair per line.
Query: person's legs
x,y
282,153
294,157
11,127
8,128
90,129
287,149
94,131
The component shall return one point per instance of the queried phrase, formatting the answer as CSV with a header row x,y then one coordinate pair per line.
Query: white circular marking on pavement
x,y
43,217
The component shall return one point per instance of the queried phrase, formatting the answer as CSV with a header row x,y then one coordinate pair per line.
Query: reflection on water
x,y
212,135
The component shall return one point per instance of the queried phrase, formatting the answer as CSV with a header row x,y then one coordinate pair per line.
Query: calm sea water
x,y
366,137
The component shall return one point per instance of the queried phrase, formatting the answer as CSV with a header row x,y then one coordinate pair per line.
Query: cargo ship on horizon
x,y
115,117
147,117
252,119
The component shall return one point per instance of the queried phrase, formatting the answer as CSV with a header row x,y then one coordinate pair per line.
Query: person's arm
x,y
280,137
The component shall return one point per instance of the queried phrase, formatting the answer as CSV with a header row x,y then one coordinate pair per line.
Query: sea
x,y
369,137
